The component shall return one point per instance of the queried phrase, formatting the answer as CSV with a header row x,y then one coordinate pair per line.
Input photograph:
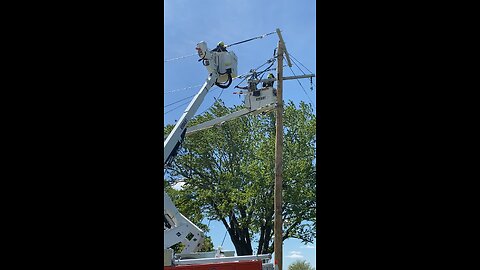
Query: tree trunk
x,y
239,236
261,240
241,247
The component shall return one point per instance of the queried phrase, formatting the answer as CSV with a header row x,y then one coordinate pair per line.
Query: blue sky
x,y
187,22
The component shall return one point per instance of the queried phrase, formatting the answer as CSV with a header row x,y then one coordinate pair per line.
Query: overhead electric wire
x,y
190,101
230,45
178,101
240,76
233,44
253,69
271,60
304,72
300,62
180,104
177,107
216,99
262,36
295,63
270,69
180,89
302,65
302,86
181,57
245,75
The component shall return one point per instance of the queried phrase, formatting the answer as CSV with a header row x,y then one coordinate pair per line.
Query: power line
x,y
245,74
177,107
271,60
188,102
216,99
262,36
295,63
181,57
300,62
178,101
193,86
302,87
233,44
302,65
180,89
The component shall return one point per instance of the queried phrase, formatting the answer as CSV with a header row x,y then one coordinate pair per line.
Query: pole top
x,y
282,43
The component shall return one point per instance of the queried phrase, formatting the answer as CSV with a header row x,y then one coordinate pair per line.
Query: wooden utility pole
x,y
278,223
278,233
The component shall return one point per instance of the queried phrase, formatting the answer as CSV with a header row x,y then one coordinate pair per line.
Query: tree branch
x,y
288,231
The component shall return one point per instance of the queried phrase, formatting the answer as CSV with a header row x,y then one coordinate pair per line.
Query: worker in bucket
x,y
220,47
268,84
252,85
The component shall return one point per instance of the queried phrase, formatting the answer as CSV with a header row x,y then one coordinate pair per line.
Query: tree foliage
x,y
229,174
300,265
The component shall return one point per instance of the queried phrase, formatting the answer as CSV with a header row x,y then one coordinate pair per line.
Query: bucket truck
x,y
222,69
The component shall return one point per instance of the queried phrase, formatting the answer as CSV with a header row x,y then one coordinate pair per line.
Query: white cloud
x,y
295,255
308,246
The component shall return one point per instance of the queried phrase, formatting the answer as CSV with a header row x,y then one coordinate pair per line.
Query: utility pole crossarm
x,y
299,77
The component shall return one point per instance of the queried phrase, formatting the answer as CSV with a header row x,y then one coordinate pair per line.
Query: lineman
x,y
220,47
268,84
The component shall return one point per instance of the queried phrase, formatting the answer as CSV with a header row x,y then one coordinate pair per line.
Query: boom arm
x,y
222,67
177,228
175,138
219,121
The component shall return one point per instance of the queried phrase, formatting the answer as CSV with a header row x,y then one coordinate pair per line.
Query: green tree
x,y
300,265
229,174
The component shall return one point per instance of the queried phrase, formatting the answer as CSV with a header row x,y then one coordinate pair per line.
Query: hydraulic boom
x,y
222,67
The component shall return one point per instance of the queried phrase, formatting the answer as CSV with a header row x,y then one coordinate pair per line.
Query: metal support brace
x,y
224,259
223,119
